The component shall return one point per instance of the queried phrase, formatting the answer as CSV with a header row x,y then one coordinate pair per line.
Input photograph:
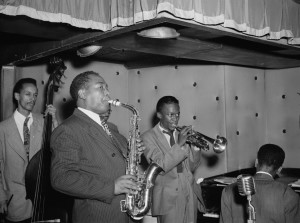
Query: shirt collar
x,y
94,116
21,118
263,172
162,129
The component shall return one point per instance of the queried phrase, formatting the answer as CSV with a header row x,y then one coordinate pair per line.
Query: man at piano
x,y
273,201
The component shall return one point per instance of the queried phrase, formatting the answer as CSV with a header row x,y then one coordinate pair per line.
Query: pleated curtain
x,y
271,19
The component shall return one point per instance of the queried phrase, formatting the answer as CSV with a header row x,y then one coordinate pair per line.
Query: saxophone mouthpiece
x,y
114,102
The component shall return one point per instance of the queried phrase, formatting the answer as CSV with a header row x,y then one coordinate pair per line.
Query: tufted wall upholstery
x,y
7,81
200,91
248,106
282,112
245,115
115,75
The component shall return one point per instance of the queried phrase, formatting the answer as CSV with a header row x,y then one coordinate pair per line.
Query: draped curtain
x,y
272,19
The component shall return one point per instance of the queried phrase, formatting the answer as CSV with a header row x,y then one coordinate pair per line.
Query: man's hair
x,y
19,85
270,155
80,82
165,100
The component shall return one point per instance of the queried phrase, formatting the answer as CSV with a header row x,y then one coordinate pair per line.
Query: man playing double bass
x,y
20,139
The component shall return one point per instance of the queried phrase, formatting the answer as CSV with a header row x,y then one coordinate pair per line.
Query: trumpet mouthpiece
x,y
178,128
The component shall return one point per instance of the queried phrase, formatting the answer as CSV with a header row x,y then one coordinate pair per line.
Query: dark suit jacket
x,y
13,163
165,190
274,202
85,164
113,127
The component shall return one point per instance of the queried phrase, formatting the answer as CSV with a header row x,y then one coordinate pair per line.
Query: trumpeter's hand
x,y
184,133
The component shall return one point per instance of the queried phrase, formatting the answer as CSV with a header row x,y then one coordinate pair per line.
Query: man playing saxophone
x,y
175,195
89,159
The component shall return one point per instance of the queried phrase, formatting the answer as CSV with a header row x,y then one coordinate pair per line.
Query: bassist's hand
x,y
3,207
52,111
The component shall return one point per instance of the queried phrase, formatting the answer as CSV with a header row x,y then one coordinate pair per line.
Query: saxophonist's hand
x,y
126,184
140,145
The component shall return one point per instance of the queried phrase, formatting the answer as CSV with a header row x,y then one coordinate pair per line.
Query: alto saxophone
x,y
137,205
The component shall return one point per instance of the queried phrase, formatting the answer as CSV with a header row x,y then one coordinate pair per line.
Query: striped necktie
x,y
172,142
26,134
106,129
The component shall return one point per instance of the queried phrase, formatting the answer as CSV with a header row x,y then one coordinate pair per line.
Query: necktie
x,y
172,142
26,134
106,129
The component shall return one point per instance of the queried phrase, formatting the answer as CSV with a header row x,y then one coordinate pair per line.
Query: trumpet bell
x,y
220,144
201,141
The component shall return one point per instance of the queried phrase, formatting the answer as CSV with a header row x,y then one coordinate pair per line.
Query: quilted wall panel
x,y
245,115
248,106
283,109
200,91
7,81
115,75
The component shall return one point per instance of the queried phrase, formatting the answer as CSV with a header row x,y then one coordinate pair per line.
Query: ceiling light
x,y
161,32
88,50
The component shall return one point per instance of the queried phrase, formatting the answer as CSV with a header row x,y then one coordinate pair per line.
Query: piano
x,y
212,189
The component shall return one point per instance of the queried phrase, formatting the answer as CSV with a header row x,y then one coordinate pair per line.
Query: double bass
x,y
48,204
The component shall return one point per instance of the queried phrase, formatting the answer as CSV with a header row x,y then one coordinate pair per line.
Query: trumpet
x,y
201,141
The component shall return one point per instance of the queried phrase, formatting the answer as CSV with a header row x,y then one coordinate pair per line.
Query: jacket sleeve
x,y
292,206
225,215
194,158
167,159
3,187
66,173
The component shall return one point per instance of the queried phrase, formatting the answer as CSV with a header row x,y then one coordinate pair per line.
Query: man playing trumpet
x,y
175,195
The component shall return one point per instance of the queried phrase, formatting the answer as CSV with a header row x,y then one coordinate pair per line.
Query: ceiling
x,y
25,40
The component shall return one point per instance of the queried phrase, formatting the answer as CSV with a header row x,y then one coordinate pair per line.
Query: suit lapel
x,y
119,145
99,134
15,140
118,138
96,131
161,137
36,131
166,146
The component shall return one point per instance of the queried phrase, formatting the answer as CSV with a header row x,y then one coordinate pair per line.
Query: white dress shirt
x,y
20,119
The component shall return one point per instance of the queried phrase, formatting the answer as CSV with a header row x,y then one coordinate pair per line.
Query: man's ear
x,y
279,170
81,93
158,115
17,96
256,162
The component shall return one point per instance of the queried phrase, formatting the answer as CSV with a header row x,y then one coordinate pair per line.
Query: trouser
x,y
185,210
24,221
